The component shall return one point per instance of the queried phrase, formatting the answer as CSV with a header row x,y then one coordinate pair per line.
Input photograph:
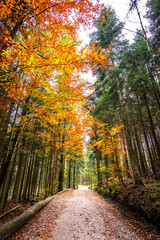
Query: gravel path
x,y
81,215
82,220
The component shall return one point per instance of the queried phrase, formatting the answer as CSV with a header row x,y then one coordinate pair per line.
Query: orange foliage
x,y
41,58
109,138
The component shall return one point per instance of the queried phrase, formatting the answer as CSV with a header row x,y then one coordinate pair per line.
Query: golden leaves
x,y
41,58
109,138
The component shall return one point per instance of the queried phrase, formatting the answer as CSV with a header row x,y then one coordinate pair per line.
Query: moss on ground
x,y
143,199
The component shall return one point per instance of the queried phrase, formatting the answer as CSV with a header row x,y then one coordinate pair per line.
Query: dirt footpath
x,y
83,215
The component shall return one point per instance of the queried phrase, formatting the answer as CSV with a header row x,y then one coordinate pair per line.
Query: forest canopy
x,y
46,111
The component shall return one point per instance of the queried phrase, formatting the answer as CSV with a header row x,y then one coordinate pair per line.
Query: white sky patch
x,y
88,77
121,8
132,23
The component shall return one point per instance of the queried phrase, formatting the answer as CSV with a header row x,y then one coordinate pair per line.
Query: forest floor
x,y
20,207
85,215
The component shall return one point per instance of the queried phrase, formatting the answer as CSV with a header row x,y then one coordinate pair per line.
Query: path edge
x,y
8,228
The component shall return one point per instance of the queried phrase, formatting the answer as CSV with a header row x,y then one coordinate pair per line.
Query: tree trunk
x,y
69,173
74,174
132,156
5,126
6,185
40,177
126,164
4,167
119,170
18,177
24,170
8,228
151,159
141,157
98,160
152,127
61,172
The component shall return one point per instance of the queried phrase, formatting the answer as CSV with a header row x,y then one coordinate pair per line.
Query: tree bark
x,y
61,172
74,174
132,156
8,228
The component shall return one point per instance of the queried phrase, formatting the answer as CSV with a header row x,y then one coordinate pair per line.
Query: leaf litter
x,y
84,215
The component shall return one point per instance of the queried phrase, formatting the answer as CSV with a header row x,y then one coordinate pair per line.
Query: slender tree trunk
x,y
118,168
55,170
126,164
151,159
128,132
35,176
98,160
24,170
69,174
144,32
29,188
5,162
24,194
52,172
5,126
152,127
40,177
141,157
4,168
74,174
19,173
61,172
18,177
6,185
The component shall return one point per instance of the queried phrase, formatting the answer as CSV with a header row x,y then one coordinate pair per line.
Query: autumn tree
x,y
42,105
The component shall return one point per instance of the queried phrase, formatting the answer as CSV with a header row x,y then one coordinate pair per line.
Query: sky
x,y
121,8
132,21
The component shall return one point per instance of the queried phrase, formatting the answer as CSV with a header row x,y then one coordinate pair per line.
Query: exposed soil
x,y
84,215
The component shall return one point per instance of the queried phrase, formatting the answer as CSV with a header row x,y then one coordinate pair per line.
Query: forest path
x,y
83,215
